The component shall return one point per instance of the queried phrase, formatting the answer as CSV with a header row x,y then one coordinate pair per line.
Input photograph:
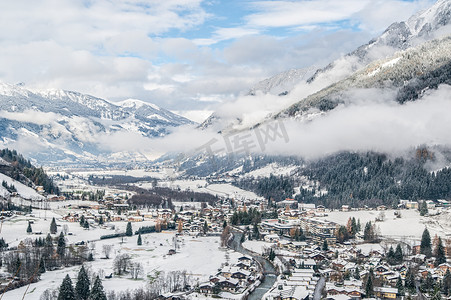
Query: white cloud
x,y
31,116
372,120
118,50
298,13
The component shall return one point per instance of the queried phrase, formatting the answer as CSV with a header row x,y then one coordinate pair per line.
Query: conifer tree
x,y
82,286
399,256
325,246
139,242
391,256
41,265
369,285
66,291
357,273
53,227
439,253
97,292
61,246
129,230
82,220
446,283
29,230
410,280
425,246
400,286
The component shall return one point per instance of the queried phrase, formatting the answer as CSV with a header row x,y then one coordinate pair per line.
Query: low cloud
x,y
31,116
372,120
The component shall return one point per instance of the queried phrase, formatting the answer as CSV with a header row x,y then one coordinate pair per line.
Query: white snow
x,y
23,190
409,226
200,257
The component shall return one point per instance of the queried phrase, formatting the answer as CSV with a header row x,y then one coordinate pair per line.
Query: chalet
x,y
230,285
345,208
240,274
289,293
386,292
245,259
441,269
381,269
206,288
317,257
55,198
135,219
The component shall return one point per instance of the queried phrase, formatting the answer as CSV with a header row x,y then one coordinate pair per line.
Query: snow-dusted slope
x,y
67,126
393,72
427,25
23,190
281,83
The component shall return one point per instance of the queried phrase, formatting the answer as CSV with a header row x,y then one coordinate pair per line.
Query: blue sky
x,y
180,54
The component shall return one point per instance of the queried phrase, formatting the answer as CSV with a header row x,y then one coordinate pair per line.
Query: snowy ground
x,y
200,257
274,169
409,226
256,246
138,173
201,186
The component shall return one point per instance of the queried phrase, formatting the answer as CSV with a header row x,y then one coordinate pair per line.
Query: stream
x,y
268,269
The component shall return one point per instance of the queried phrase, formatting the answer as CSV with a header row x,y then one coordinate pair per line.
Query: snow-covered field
x,y
200,257
201,186
409,226
138,173
256,246
273,169
23,190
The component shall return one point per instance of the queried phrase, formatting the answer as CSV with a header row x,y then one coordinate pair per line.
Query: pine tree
x,y
423,208
400,286
410,280
369,285
82,220
29,230
399,257
440,257
357,273
129,230
205,227
53,227
446,282
61,246
325,246
139,242
66,291
82,286
425,246
391,256
41,265
97,292
101,221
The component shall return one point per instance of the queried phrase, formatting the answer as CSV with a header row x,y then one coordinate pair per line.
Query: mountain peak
x,y
135,103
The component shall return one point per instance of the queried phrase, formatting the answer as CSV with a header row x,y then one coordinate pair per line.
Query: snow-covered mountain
x,y
427,25
74,127
429,62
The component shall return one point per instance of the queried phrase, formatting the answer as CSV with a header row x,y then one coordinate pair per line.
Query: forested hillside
x,y
22,170
358,179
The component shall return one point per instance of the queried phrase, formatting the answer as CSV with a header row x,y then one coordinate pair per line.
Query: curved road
x,y
268,269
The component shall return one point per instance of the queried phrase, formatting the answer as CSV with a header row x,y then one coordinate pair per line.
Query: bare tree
x,y
121,263
106,249
225,236
65,229
136,269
